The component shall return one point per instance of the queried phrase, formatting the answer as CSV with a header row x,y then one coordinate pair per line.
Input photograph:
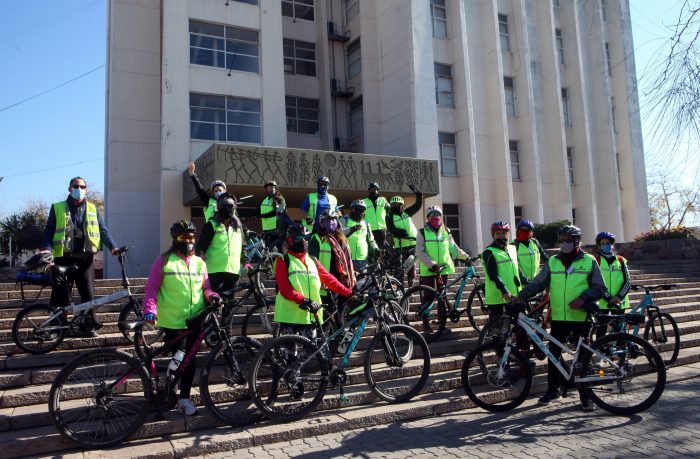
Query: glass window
x,y
518,213
225,119
604,8
352,9
570,163
444,94
356,118
556,3
354,59
250,2
448,153
509,87
565,106
298,9
612,114
302,115
560,45
452,221
573,216
438,14
299,57
514,159
607,58
503,32
224,47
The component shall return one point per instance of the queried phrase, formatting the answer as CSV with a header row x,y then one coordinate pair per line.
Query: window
x,y
518,213
452,221
226,119
302,115
617,165
608,62
565,106
557,3
570,163
224,47
448,153
612,114
444,94
604,9
503,32
354,61
514,159
438,14
298,9
560,46
356,118
352,9
573,216
250,2
509,85
299,57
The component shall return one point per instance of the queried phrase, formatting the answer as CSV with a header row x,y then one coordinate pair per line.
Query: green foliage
x,y
26,229
664,234
546,233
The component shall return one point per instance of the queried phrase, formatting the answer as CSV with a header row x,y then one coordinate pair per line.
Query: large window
x,y
299,57
352,9
438,14
250,2
604,8
354,59
298,9
452,221
518,213
503,32
565,106
224,47
608,61
356,118
514,159
448,153
444,94
225,119
560,45
570,163
302,115
509,87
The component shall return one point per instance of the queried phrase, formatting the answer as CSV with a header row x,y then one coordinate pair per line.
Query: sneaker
x,y
186,407
587,405
549,397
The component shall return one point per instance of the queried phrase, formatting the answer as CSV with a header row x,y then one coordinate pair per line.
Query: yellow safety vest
x,y
405,222
359,246
566,285
305,280
268,205
181,295
438,247
528,258
210,210
62,240
507,264
613,277
224,252
376,217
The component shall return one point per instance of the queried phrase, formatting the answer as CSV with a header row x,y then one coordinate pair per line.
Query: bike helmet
x,y
297,229
396,200
216,183
323,179
604,235
373,185
570,230
270,183
526,224
327,215
500,225
181,227
433,210
358,204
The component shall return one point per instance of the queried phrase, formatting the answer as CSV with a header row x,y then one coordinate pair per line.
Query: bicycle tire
x,y
225,391
132,312
24,329
275,388
492,329
476,295
396,287
621,348
656,332
389,342
394,313
436,311
74,401
478,379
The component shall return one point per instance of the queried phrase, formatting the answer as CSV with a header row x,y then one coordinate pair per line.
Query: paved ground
x,y
671,428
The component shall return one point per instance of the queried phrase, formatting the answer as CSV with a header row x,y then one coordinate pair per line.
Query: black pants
x,y
221,282
560,331
379,237
84,280
184,345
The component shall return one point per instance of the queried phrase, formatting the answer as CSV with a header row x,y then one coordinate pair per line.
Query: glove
x,y
309,305
150,318
214,298
434,268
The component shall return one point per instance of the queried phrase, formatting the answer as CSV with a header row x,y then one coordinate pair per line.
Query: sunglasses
x,y
75,186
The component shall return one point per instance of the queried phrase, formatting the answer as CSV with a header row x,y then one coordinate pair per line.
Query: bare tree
x,y
670,203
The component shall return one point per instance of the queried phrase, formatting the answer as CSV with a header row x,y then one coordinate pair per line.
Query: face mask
x,y
271,193
501,241
185,248
226,212
329,226
606,249
396,210
566,247
323,189
217,194
78,194
523,235
435,222
300,246
357,216
373,195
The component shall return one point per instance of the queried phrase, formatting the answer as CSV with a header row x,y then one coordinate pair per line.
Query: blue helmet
x,y
527,224
604,235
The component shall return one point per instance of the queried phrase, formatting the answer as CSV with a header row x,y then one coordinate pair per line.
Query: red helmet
x,y
500,225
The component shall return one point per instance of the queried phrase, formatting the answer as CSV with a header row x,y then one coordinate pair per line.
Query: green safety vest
x,y
376,217
358,241
507,264
210,210
313,202
528,258
62,240
567,285
224,252
181,295
268,205
305,280
612,275
405,222
324,256
437,245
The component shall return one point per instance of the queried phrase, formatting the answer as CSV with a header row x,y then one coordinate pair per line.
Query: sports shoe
x,y
549,397
587,405
186,407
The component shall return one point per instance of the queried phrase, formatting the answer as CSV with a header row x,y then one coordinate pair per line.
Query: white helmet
x,y
434,209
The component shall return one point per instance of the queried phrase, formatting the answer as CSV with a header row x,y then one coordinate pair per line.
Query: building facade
x,y
529,107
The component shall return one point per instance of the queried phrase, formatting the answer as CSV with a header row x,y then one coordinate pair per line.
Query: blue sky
x,y
46,141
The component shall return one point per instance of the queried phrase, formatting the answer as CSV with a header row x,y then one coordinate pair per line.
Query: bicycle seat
x,y
64,270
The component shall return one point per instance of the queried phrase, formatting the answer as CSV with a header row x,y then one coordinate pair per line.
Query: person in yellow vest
x,y
74,233
377,208
218,187
435,249
616,276
176,290
315,204
300,278
575,285
403,230
360,238
273,216
530,252
221,245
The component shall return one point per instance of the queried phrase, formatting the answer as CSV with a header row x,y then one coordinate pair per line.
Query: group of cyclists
x,y
325,253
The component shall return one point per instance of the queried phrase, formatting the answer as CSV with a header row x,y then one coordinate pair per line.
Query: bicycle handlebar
x,y
650,288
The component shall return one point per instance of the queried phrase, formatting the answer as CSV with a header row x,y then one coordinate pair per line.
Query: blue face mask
x,y
217,194
78,194
606,249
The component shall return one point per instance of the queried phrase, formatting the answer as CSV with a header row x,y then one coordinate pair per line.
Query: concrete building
x,y
529,106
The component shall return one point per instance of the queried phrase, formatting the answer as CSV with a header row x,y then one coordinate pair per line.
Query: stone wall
x,y
670,249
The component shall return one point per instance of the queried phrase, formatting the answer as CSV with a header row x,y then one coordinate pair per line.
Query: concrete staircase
x,y
26,430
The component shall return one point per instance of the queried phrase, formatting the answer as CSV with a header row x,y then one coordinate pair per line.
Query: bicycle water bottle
x,y
175,362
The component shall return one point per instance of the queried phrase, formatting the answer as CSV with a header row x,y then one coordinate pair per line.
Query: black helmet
x,y
570,230
223,198
604,235
270,183
322,179
296,229
373,185
181,227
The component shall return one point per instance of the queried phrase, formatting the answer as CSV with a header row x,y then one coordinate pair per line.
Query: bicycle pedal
x,y
344,400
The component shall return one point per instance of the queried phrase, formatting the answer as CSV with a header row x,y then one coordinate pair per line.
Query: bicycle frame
x,y
468,274
641,308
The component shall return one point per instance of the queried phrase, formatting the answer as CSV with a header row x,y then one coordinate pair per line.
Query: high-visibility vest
x,y
62,240
324,256
268,205
405,222
181,294
376,216
437,246
528,258
566,285
224,252
305,280
507,264
358,241
313,203
210,210
613,277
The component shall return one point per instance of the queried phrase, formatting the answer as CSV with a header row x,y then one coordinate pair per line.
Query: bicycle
x,y
434,303
100,398
40,328
611,371
536,309
260,256
254,288
291,374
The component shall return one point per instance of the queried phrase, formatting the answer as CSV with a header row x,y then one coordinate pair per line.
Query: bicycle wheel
x,y
397,363
224,385
257,318
394,314
662,332
492,386
132,312
422,303
476,306
34,333
288,381
495,329
100,398
634,386
394,286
